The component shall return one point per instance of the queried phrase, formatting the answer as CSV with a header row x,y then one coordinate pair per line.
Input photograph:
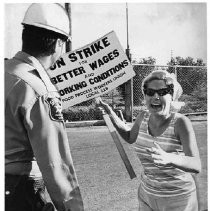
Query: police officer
x,y
37,151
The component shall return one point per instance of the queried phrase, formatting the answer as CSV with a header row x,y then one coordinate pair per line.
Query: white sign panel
x,y
91,71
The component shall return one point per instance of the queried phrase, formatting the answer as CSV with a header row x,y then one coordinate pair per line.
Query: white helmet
x,y
48,16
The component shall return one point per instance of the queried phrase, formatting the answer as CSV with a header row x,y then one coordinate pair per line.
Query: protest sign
x,y
91,71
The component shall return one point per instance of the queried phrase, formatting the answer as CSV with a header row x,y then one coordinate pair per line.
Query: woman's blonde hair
x,y
169,79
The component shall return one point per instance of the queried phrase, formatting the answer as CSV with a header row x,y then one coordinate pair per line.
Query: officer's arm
x,y
50,145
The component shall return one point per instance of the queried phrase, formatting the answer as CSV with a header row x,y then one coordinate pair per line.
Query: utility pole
x,y
171,55
128,84
175,70
69,43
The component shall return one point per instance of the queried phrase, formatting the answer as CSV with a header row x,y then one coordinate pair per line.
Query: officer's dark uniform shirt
x,y
35,131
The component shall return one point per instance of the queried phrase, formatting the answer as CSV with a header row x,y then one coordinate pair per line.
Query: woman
x,y
165,143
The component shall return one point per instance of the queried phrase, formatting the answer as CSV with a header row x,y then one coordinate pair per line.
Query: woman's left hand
x,y
160,157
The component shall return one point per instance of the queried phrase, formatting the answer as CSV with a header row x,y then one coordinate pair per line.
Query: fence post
x,y
129,95
175,71
68,10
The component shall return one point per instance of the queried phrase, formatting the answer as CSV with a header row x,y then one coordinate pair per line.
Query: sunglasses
x,y
160,92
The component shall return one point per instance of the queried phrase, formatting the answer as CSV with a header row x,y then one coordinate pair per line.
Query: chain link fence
x,y
193,80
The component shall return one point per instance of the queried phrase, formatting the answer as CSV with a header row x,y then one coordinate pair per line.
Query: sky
x,y
159,30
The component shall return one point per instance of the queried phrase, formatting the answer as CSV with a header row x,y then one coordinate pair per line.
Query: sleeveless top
x,y
161,181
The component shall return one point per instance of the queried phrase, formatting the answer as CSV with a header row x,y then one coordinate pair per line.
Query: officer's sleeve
x,y
50,145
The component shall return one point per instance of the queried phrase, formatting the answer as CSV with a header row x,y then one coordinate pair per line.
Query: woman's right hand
x,y
103,106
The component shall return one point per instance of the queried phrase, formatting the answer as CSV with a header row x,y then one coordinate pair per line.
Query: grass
x,y
103,179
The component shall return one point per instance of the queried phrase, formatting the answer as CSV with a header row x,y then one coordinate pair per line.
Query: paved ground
x,y
103,179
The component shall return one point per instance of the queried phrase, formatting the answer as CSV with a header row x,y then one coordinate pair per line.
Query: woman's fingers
x,y
100,103
157,145
156,157
97,100
153,150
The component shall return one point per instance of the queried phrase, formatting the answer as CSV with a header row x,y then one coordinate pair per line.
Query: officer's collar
x,y
32,61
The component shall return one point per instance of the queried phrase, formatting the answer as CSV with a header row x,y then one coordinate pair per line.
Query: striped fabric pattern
x,y
161,181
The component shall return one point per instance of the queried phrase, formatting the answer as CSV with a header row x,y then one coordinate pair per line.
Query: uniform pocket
x,y
11,183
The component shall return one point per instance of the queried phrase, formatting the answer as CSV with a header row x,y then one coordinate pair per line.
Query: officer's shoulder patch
x,y
55,107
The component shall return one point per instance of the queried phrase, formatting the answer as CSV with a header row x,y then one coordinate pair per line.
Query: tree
x,y
188,77
193,80
114,97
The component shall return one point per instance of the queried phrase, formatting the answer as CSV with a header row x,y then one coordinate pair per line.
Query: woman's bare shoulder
x,y
183,123
182,119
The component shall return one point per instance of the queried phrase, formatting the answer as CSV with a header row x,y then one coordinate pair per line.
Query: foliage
x,y
188,61
189,81
193,80
114,97
82,113
148,60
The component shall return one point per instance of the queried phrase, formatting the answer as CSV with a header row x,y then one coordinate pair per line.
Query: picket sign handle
x,y
118,144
